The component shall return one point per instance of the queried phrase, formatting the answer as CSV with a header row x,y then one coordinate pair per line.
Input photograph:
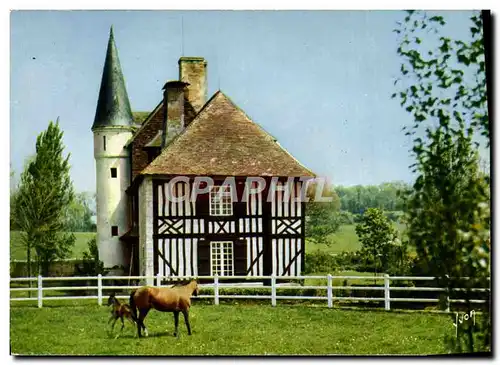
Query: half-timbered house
x,y
197,187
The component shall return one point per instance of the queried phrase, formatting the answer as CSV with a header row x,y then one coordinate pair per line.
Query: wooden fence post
x,y
99,289
216,289
447,293
273,290
158,279
387,292
40,291
329,291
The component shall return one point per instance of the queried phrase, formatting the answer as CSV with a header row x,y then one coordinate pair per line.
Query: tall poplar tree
x,y
443,87
44,193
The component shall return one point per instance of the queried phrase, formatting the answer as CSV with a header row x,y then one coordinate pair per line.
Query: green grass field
x,y
339,282
229,330
18,252
344,240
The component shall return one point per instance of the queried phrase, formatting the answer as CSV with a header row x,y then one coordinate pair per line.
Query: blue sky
x,y
319,81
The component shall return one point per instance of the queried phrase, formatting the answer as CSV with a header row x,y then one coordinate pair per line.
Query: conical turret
x,y
112,129
113,106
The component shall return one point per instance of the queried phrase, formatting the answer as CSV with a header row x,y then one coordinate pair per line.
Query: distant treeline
x,y
386,196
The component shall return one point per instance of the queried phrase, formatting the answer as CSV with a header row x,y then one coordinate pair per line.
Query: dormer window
x,y
221,201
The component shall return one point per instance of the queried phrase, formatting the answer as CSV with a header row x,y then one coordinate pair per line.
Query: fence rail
x,y
217,285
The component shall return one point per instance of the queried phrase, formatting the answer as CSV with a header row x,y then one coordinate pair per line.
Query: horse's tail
x,y
133,307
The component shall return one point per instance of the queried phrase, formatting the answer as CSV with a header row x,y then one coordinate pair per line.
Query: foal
x,y
119,311
174,299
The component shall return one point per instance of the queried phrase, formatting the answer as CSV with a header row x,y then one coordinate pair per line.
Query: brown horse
x,y
119,311
164,299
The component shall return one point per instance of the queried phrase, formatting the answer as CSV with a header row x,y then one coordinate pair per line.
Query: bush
x,y
346,217
358,218
91,265
320,261
394,216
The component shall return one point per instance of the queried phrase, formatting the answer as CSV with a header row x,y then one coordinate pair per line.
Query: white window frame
x,y
219,253
219,207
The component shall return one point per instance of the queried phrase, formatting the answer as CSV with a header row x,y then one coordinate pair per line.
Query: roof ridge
x,y
269,134
248,117
143,124
300,163
253,150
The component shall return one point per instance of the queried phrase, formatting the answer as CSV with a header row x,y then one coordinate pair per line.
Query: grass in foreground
x,y
230,330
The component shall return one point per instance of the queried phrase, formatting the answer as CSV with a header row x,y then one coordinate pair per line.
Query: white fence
x,y
217,285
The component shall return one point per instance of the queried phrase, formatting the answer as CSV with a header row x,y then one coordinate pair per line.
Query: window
x,y
104,142
114,231
221,200
113,172
221,254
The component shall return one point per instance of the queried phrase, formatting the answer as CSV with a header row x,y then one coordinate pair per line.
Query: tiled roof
x,y
156,141
222,140
143,121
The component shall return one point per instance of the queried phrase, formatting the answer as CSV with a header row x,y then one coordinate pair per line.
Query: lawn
x,y
230,330
18,251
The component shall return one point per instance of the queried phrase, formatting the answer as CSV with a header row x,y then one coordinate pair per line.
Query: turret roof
x,y
113,106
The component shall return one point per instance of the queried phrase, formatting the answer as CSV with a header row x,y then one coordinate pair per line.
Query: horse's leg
x,y
186,319
109,321
121,330
131,320
176,320
139,325
142,314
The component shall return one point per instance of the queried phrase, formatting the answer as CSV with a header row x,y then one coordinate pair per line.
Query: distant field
x,y
339,282
18,252
344,240
230,330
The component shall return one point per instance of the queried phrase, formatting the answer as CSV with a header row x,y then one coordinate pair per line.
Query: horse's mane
x,y
181,283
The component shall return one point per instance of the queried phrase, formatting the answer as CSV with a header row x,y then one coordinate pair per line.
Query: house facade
x,y
196,188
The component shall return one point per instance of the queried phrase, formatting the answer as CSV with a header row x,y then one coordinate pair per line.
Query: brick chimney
x,y
173,103
193,70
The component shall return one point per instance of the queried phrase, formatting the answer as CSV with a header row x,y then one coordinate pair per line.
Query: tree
x,y
322,218
91,264
13,196
443,88
377,236
79,214
44,193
